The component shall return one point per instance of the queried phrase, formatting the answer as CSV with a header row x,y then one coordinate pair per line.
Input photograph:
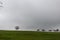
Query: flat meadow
x,y
29,35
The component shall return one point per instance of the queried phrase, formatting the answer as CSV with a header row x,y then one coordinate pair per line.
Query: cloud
x,y
32,14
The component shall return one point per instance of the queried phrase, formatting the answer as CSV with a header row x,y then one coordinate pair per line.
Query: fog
x,y
30,14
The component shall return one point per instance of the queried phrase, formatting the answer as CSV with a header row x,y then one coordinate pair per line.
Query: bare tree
x,y
50,30
57,30
38,30
43,30
54,30
17,27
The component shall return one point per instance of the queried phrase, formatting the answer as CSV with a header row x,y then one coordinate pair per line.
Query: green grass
x,y
29,35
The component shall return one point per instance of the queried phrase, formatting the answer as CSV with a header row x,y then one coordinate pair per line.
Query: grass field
x,y
29,35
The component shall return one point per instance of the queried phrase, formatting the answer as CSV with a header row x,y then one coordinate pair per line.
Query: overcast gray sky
x,y
30,14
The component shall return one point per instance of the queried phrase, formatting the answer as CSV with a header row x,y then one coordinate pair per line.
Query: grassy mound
x,y
29,35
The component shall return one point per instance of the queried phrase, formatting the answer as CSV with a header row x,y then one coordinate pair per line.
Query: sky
x,y
30,14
